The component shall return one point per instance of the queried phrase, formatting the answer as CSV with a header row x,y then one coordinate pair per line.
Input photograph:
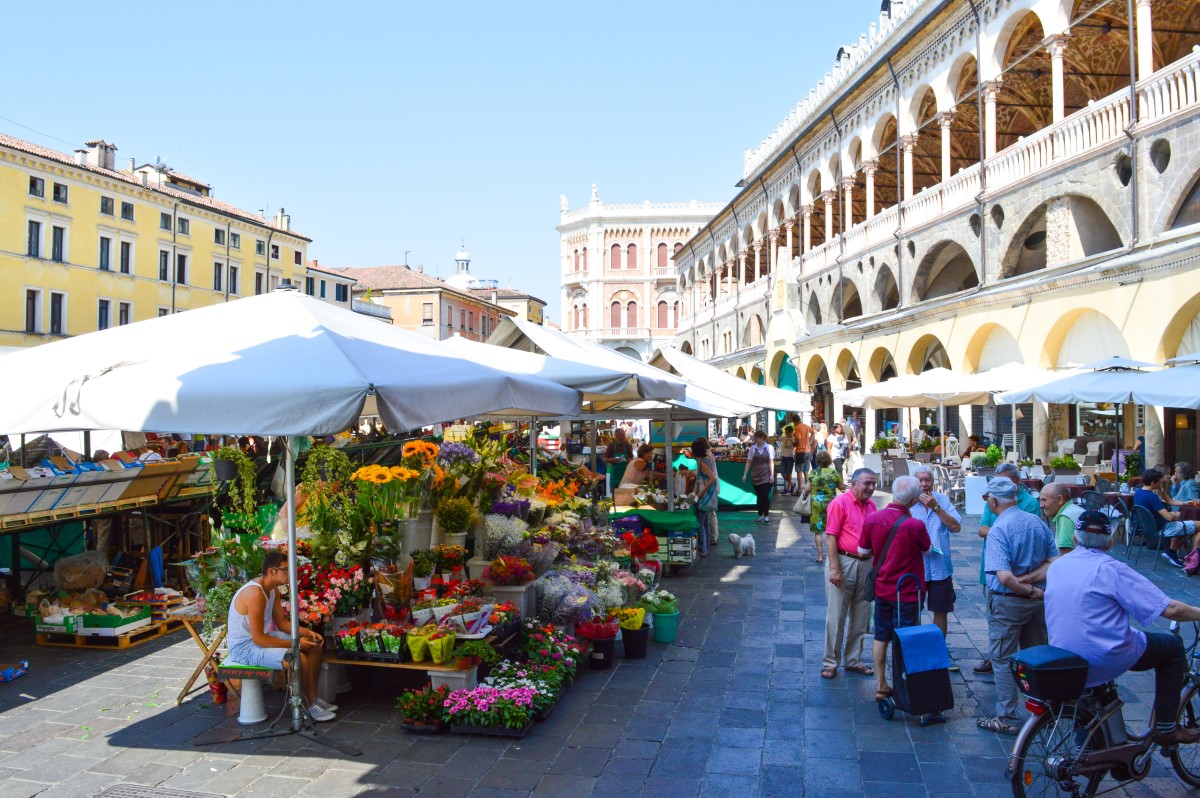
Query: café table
x,y
1189,512
1034,485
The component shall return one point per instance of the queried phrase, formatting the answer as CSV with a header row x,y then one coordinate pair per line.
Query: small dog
x,y
743,546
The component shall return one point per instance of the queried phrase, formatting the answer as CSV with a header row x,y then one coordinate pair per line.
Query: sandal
x,y
828,672
863,670
885,693
998,725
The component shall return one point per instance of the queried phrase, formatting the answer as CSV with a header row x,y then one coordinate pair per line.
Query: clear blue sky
x,y
419,125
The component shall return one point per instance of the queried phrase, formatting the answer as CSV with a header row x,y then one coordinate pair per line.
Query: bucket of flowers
x,y
501,711
664,607
450,561
347,641
423,710
504,619
467,613
635,634
601,632
417,641
441,645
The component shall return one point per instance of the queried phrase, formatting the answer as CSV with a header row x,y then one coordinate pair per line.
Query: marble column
x,y
991,91
807,212
907,145
847,203
1145,40
1057,45
828,198
944,122
869,169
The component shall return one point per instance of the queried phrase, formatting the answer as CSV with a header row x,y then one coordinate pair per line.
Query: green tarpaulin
x,y
735,494
663,521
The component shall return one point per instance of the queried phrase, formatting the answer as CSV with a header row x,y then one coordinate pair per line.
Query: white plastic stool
x,y
253,709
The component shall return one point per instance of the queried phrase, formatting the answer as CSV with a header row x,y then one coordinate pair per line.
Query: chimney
x,y
282,220
421,268
102,154
81,157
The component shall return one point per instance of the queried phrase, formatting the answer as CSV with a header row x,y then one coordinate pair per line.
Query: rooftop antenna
x,y
406,256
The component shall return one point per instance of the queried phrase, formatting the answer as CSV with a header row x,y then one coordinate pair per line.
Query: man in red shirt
x,y
846,607
903,556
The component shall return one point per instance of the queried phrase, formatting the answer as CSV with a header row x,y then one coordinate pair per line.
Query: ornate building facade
x,y
618,271
971,184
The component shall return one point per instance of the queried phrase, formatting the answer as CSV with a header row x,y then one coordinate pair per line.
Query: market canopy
x,y
1113,380
594,382
277,364
939,385
695,370
698,402
1174,387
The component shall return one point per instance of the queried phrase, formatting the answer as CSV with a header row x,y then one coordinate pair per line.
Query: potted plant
x,y
450,559
664,606
216,606
422,612
476,652
422,709
443,607
881,445
455,514
491,710
234,472
324,466
978,461
635,634
422,569
1064,466
512,580
601,632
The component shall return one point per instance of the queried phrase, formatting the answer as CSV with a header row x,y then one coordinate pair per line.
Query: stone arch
x,y
1025,97
1081,336
992,345
851,301
1181,207
1083,229
629,351
882,365
740,372
793,200
812,311
946,269
1016,18
755,331
813,373
928,352
686,347
911,106
1182,325
887,291
848,373
756,375
778,213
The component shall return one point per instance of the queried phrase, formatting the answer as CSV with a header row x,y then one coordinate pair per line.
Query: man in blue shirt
x,y
1020,549
1090,598
940,518
1167,521
1026,502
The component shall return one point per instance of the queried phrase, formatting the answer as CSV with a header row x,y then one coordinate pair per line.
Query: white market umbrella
x,y
697,371
276,364
1173,387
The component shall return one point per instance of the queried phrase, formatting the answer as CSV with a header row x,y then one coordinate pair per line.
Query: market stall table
x,y
735,494
190,620
676,532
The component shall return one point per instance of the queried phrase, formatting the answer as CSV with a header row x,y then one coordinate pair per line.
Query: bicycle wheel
x,y
1186,758
1045,755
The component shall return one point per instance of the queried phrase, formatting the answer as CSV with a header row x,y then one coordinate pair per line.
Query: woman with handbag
x,y
823,485
708,488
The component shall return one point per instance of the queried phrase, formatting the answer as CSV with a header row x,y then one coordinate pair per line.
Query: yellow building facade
x,y
85,245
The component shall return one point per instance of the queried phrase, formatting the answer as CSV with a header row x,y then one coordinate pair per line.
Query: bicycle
x,y
1068,747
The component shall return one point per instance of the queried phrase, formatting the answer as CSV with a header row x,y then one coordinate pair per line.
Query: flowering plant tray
x,y
491,731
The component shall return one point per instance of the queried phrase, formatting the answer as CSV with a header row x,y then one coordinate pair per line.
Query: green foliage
x,y
978,460
1133,466
881,445
240,490
994,455
422,563
478,648
928,444
1064,463
1027,462
216,606
332,463
455,514
424,705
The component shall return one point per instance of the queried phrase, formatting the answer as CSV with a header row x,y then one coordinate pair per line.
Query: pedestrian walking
x,y
802,435
847,608
940,517
708,489
760,470
787,458
823,488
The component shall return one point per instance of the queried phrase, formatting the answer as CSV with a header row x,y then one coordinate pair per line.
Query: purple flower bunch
x,y
510,506
453,454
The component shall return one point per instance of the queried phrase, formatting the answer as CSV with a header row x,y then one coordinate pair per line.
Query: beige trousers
x,y
847,612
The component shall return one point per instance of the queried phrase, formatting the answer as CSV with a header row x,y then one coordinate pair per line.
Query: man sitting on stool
x,y
252,609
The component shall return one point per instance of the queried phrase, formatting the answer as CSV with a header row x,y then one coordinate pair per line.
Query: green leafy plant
x,y
1064,463
487,653
927,444
881,445
423,706
994,455
1027,462
1133,466
240,491
323,466
455,514
978,460
216,607
423,563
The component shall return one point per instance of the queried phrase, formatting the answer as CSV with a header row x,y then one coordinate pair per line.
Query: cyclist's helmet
x,y
1093,521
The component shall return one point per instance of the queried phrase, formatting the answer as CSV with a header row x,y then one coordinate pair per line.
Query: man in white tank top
x,y
255,607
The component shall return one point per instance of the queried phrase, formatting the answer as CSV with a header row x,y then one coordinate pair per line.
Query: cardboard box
x,y
11,670
49,498
69,625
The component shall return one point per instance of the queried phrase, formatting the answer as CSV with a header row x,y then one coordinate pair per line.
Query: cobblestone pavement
x,y
735,707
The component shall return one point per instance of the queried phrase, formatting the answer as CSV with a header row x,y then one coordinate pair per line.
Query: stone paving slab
x,y
735,707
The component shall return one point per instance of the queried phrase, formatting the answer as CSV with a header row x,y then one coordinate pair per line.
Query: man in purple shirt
x,y
1090,598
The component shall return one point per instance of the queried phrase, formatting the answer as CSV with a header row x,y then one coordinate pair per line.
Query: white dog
x,y
743,546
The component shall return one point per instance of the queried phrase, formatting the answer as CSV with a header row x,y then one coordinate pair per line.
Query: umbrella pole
x,y
1016,454
670,477
533,445
942,425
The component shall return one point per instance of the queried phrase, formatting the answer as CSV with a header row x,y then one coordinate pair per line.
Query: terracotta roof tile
x,y
382,278
505,293
184,196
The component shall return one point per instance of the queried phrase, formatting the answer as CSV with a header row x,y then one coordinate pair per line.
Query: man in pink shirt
x,y
847,609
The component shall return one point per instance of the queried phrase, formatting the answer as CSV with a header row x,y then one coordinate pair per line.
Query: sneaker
x,y
323,704
1180,736
1171,557
319,714
954,667
983,667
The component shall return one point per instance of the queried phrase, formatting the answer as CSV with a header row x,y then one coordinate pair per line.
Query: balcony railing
x,y
1170,91
664,271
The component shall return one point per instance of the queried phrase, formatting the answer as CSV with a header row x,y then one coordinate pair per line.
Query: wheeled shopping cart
x,y
920,670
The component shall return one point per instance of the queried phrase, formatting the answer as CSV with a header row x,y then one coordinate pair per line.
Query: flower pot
x,y
422,617
421,582
418,532
666,626
457,539
636,642
441,612
456,680
602,654
476,566
523,596
225,470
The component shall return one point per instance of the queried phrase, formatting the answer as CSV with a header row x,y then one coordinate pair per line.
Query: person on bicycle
x,y
1090,597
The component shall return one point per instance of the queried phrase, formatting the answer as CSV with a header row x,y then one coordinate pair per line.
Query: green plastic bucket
x,y
665,627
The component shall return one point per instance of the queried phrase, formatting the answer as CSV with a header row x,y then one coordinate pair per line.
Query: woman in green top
x,y
824,482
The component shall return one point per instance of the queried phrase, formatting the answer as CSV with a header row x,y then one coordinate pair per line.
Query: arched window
x,y
675,316
575,318
631,315
631,257
677,248
615,315
662,256
585,259
616,257
576,260
662,313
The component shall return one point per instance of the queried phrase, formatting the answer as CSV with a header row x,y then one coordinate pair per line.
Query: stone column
x,y
907,145
828,197
807,212
1145,40
991,90
743,258
1041,438
944,122
790,228
772,251
1057,45
848,203
756,270
869,169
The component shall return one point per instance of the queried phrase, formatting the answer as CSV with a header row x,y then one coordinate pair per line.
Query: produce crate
x,y
160,606
70,626
113,626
